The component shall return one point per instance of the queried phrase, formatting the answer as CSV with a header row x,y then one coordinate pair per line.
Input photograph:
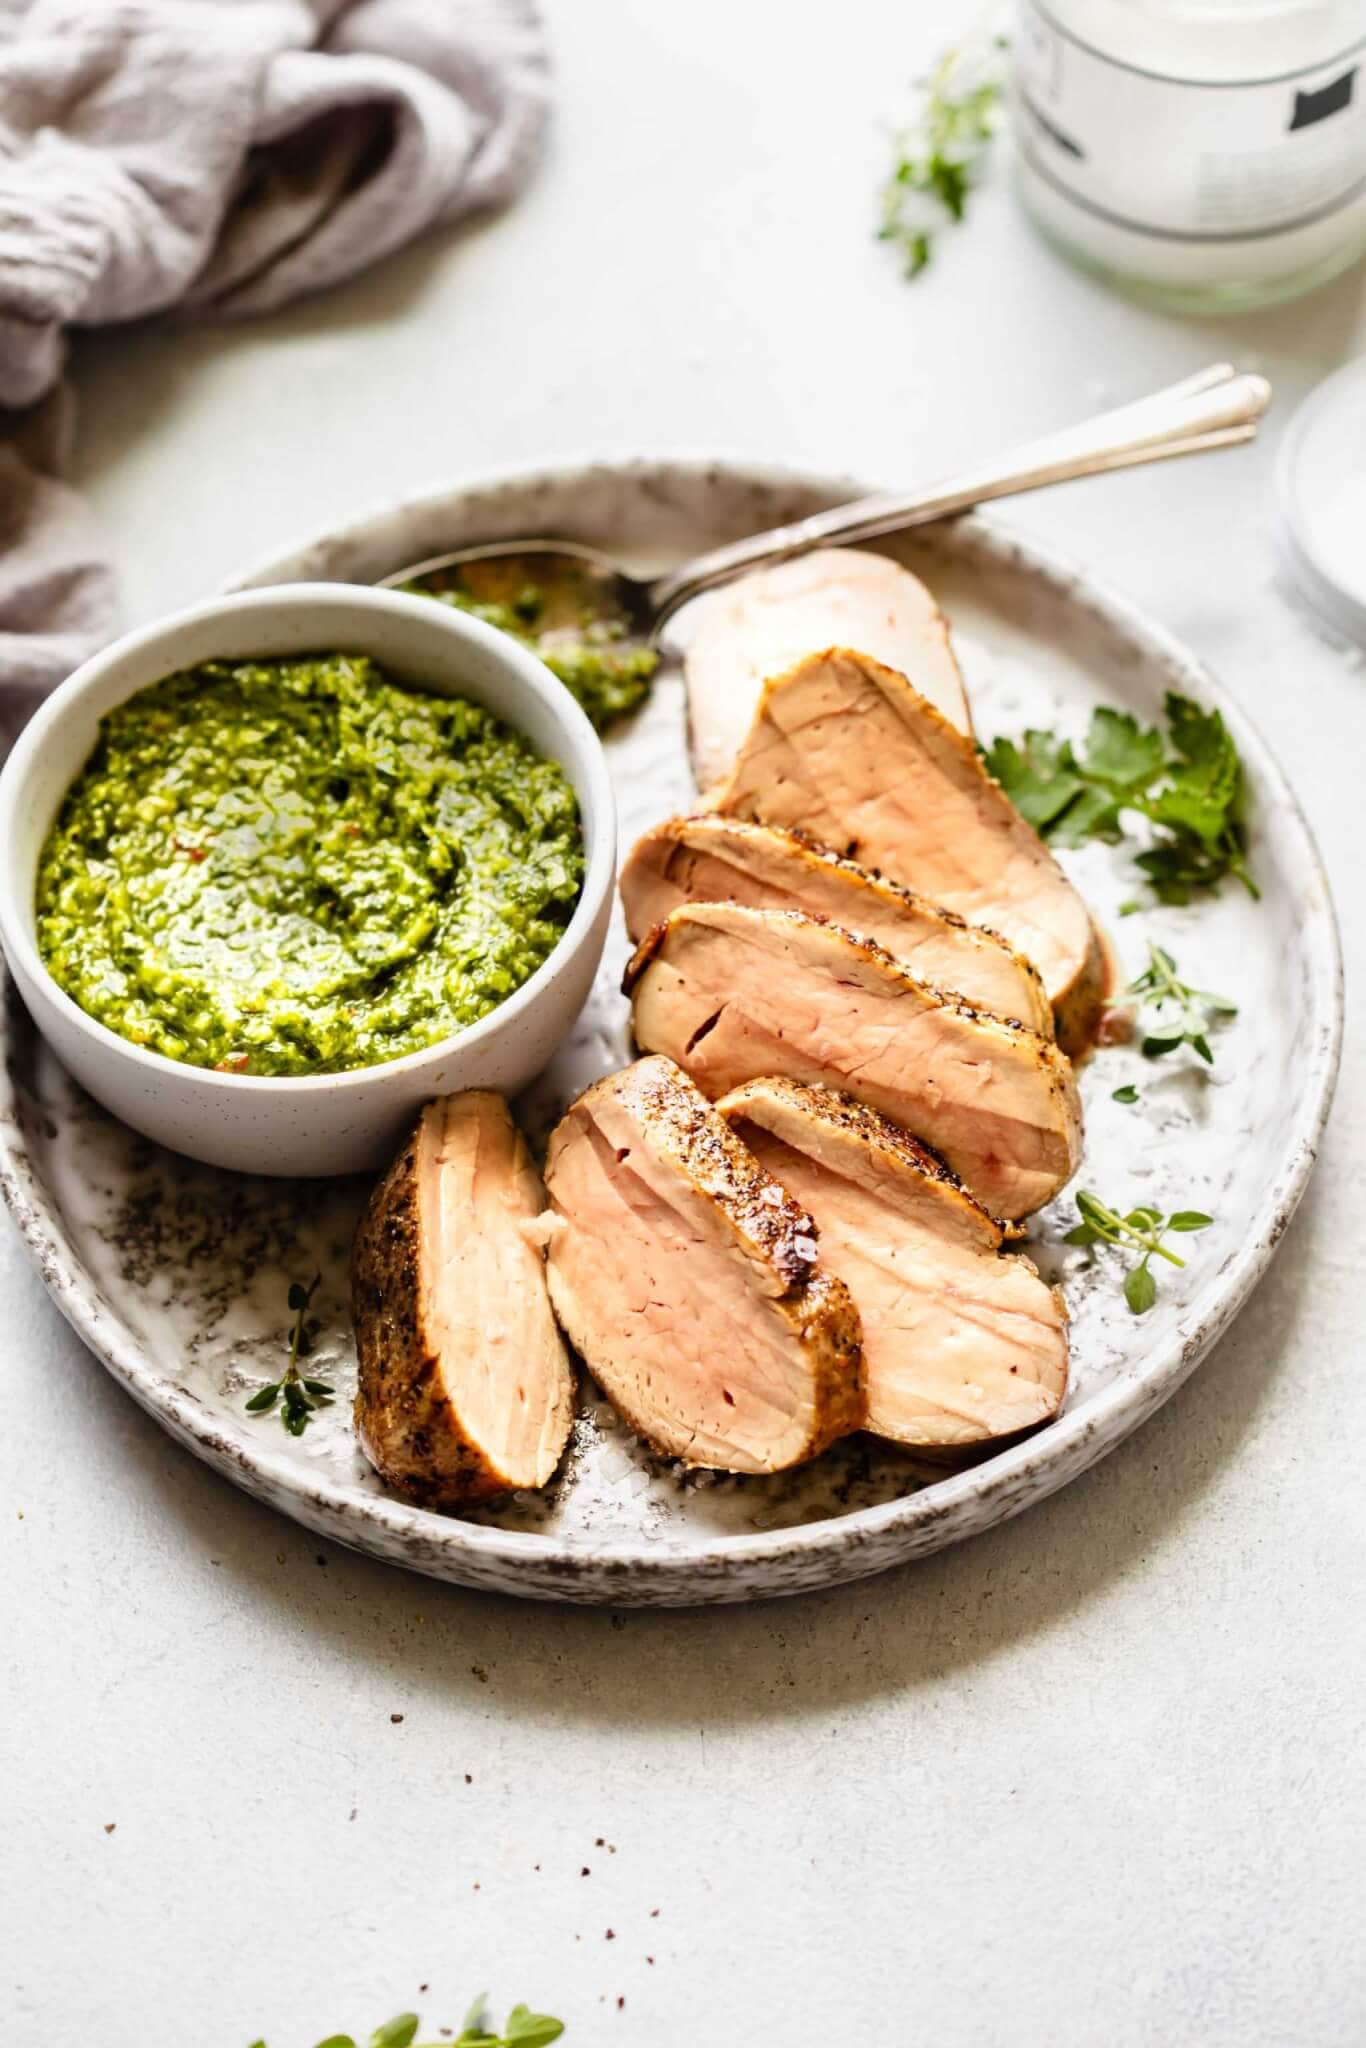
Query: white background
x,y
1095,1777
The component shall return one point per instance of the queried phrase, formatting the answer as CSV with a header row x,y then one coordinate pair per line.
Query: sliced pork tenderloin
x,y
716,859
688,1280
762,623
850,753
963,1343
733,994
466,1390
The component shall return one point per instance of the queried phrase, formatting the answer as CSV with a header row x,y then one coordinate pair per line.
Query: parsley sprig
x,y
298,1397
523,2029
1142,1229
1196,1008
940,153
1188,784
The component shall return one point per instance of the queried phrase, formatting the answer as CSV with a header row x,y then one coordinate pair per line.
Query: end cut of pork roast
x,y
734,994
715,859
963,1343
762,623
466,1389
850,753
688,1280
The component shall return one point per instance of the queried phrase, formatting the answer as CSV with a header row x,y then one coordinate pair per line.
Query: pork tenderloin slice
x,y
733,994
466,1390
687,1280
716,859
849,752
762,623
963,1343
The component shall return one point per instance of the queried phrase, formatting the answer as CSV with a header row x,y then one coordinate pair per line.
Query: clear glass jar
x,y
1207,155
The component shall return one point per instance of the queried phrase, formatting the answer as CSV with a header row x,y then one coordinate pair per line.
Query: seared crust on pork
x,y
688,1280
465,1390
851,753
733,994
712,858
963,1343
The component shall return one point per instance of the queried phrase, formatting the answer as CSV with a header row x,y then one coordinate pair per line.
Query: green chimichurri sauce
x,y
563,620
298,867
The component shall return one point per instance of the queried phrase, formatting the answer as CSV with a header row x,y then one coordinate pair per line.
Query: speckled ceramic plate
x,y
176,1276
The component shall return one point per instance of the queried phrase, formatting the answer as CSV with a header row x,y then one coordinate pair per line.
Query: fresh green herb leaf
x,y
524,2029
1128,1093
1142,1230
474,2032
298,1397
1093,815
1039,774
1120,752
1140,1288
941,152
1189,787
528,2029
1162,988
395,2033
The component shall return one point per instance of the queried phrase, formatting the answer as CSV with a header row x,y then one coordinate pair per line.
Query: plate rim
x,y
1023,1473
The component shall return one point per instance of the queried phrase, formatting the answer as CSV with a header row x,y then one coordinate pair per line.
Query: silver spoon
x,y
1217,408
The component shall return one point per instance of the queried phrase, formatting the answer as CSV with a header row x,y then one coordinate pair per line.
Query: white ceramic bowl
x,y
324,1123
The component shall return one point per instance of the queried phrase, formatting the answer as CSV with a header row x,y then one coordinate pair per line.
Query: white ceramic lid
x,y
1321,482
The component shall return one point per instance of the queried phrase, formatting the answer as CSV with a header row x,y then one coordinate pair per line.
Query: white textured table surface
x,y
1098,1776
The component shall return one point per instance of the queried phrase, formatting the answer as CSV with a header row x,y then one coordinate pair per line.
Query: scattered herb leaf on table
x,y
523,2029
941,151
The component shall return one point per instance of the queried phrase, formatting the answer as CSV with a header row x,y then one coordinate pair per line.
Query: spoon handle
x,y
1217,408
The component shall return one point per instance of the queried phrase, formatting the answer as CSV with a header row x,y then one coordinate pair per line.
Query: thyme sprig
x,y
1143,1229
940,153
1197,1009
298,1397
523,2029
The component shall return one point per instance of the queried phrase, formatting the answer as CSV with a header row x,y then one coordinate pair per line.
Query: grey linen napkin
x,y
220,157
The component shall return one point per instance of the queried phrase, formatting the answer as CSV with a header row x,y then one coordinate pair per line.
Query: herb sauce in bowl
x,y
298,866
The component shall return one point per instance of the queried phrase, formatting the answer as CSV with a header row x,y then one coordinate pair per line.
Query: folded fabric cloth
x,y
57,596
223,157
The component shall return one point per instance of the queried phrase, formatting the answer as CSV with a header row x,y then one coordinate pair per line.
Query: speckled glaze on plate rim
x,y
836,1549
